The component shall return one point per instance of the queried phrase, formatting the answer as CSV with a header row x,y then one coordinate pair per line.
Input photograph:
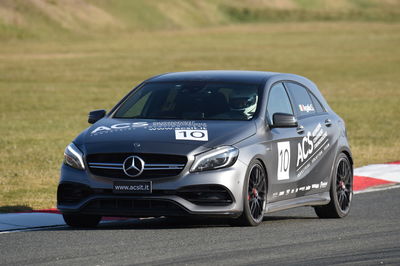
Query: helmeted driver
x,y
243,103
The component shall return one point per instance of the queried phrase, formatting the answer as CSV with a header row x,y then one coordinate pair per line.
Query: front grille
x,y
156,165
133,207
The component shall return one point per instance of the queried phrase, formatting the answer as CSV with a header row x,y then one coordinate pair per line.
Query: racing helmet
x,y
243,102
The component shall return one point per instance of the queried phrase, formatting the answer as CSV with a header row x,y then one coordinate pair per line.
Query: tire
x,y
341,190
82,220
254,196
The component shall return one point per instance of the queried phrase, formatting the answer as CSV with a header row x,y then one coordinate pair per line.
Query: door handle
x,y
328,122
300,129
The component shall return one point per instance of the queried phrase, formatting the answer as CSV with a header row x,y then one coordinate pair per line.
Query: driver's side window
x,y
278,102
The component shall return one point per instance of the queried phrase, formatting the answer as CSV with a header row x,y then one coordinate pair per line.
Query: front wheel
x,y
254,195
81,220
341,190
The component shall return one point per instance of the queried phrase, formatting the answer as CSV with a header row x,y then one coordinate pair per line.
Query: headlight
x,y
214,159
73,157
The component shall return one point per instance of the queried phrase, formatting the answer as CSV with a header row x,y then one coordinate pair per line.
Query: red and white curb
x,y
369,178
373,176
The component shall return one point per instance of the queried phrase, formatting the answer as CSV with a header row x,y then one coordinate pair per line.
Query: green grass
x,y
47,88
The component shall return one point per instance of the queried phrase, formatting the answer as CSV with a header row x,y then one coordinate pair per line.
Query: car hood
x,y
110,135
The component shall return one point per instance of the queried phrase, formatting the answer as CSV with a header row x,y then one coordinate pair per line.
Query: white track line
x,y
38,228
33,229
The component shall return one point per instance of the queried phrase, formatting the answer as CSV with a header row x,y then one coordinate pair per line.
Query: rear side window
x,y
318,106
278,101
303,105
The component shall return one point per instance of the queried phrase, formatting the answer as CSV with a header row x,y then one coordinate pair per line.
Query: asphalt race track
x,y
370,235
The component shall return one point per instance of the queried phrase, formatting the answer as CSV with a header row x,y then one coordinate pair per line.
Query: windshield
x,y
191,100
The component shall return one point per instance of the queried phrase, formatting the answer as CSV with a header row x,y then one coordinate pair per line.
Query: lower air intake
x,y
206,195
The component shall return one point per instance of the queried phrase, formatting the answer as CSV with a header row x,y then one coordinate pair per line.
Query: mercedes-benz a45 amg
x,y
233,144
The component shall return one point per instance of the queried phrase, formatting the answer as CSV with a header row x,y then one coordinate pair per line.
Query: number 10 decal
x,y
185,134
283,160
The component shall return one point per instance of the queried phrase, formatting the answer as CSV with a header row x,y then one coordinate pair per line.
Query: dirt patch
x,y
9,14
75,14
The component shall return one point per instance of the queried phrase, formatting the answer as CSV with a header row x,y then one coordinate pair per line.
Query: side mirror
x,y
284,120
96,115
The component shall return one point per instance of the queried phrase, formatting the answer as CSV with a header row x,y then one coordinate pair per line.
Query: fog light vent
x,y
206,195
70,193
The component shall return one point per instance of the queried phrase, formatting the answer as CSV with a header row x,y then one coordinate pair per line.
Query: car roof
x,y
239,76
234,76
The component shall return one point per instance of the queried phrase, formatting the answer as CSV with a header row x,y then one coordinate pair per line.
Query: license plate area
x,y
132,187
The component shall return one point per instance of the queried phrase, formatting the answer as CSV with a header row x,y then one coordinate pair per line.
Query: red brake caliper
x,y
254,192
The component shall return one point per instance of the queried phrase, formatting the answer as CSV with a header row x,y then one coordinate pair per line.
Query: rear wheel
x,y
255,195
81,220
341,190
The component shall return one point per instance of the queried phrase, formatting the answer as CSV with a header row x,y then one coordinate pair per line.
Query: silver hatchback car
x,y
235,144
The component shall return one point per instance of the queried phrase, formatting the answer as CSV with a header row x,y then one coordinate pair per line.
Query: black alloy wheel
x,y
255,195
341,190
344,184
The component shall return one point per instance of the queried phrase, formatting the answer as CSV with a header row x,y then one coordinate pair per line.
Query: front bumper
x,y
208,193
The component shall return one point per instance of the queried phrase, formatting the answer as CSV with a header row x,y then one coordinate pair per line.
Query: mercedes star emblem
x,y
133,166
